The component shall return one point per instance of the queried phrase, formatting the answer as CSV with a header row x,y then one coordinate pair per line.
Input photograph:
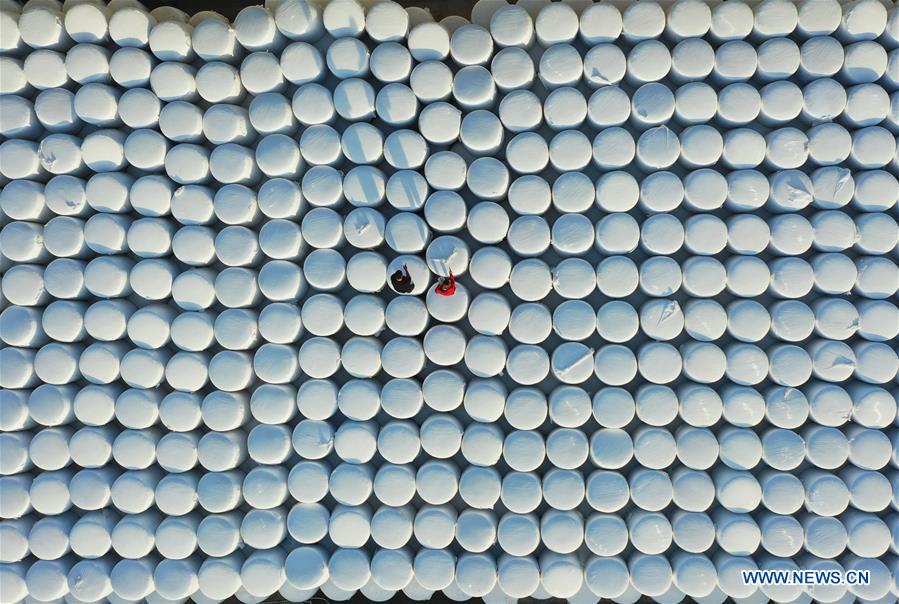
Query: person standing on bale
x,y
402,281
446,286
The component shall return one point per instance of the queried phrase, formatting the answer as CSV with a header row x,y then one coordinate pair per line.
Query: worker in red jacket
x,y
446,286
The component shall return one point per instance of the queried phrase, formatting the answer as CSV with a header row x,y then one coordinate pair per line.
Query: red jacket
x,y
446,286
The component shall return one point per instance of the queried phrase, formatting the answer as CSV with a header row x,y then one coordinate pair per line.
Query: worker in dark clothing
x,y
446,286
402,281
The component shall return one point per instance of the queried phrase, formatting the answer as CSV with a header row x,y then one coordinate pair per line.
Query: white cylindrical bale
x,y
133,490
530,323
692,59
139,108
218,82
